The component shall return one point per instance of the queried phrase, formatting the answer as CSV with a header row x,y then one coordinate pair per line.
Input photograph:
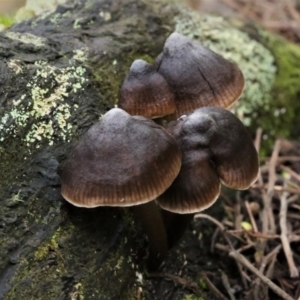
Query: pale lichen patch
x,y
105,15
80,54
46,115
76,24
15,65
26,38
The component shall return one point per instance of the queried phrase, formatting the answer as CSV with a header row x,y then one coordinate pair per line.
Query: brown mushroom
x,y
124,161
145,92
198,76
216,148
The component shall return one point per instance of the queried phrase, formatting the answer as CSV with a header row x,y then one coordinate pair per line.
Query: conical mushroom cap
x,y
145,92
120,161
216,147
198,76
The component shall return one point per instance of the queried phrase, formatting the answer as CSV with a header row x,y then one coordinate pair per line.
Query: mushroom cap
x,y
216,147
145,92
120,161
198,76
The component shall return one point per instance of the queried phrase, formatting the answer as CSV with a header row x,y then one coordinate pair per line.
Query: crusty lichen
x,y
46,117
26,38
256,62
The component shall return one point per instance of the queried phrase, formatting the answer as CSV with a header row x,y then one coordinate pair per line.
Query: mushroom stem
x,y
152,223
176,225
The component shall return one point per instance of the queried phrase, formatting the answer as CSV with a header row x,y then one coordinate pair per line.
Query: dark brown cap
x,y
145,92
216,147
234,154
120,161
198,76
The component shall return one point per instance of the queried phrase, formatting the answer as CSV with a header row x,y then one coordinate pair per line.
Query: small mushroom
x,y
216,148
124,161
198,76
145,92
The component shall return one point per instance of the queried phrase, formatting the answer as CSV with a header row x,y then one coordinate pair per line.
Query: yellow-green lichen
x,y
16,197
47,114
256,62
202,284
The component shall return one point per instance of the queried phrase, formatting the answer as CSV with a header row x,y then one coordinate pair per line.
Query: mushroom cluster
x,y
127,159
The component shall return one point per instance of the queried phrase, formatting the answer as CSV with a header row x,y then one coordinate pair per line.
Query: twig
x,y
269,257
254,226
296,206
213,288
222,228
216,222
284,237
226,284
139,293
263,236
213,239
292,199
282,159
246,247
222,247
240,258
291,8
258,139
237,209
277,188
271,184
293,216
268,223
291,172
265,261
271,266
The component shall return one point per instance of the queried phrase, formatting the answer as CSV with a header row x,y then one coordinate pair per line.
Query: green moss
x,y
50,245
6,20
286,90
202,284
48,250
